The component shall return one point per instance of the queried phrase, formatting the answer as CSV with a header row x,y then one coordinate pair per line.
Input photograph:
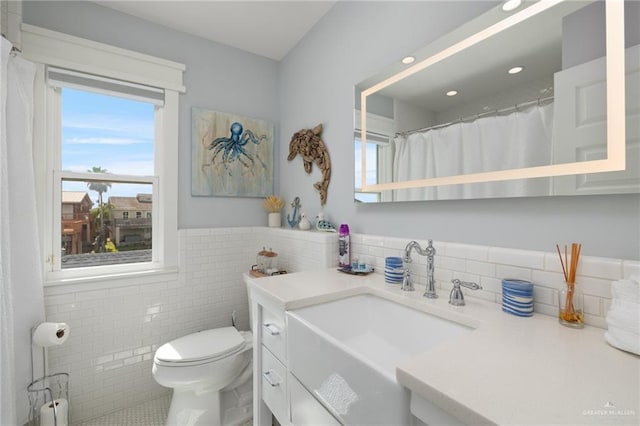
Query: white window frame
x,y
50,48
381,128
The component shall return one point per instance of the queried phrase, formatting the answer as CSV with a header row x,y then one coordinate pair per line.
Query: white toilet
x,y
205,370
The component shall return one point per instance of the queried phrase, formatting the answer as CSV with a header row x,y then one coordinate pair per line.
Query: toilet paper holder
x,y
51,390
49,394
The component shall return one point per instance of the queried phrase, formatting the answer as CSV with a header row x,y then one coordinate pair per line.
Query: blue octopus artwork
x,y
232,155
232,148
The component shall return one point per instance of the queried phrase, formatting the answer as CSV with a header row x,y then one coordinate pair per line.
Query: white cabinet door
x,y
580,127
305,410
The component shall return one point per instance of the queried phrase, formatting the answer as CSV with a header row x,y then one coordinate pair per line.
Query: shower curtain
x,y
520,139
21,294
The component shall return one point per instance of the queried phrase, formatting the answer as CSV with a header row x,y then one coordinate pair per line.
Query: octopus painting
x,y
232,148
308,144
232,155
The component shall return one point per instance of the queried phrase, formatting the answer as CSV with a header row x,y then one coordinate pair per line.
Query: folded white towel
x,y
624,315
624,340
627,289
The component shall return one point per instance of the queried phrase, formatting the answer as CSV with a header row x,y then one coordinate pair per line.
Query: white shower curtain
x,y
520,139
21,294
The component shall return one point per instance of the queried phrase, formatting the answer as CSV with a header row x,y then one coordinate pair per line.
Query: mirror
x,y
521,103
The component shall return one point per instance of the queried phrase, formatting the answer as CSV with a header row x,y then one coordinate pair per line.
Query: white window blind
x,y
60,77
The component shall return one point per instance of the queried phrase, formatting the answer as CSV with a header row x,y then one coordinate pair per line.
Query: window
x,y
138,215
110,136
379,154
108,130
373,155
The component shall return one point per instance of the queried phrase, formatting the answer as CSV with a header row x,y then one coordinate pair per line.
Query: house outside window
x,y
76,222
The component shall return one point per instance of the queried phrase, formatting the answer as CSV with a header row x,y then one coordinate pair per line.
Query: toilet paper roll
x,y
51,333
46,413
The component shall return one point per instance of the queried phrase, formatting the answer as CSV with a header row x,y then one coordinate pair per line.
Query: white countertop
x,y
509,370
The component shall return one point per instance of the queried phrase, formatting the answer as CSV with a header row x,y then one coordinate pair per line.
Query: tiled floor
x,y
151,413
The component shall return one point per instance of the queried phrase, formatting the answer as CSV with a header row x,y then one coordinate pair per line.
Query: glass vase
x,y
571,307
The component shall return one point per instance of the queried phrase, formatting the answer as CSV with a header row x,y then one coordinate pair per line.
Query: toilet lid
x,y
201,346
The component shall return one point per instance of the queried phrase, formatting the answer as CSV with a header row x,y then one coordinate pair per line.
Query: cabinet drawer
x,y
305,409
273,332
274,386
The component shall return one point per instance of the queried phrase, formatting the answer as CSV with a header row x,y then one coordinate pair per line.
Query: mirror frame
x,y
615,69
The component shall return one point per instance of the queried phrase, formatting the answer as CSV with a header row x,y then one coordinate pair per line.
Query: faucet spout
x,y
430,253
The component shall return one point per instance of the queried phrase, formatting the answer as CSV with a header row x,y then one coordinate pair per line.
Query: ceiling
x,y
266,28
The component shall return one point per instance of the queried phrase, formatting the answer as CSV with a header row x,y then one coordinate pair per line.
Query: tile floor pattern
x,y
150,413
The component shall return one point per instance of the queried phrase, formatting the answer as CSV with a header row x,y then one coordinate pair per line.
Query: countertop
x,y
508,370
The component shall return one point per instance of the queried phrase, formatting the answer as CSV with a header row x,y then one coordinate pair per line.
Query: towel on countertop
x,y
623,316
628,289
624,340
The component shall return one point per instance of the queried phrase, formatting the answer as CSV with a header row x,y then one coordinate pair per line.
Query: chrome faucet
x,y
429,252
456,298
407,282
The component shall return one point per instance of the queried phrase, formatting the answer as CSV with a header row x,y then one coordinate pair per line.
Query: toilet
x,y
210,372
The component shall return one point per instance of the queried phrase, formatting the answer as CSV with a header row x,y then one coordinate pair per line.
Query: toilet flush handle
x,y
271,329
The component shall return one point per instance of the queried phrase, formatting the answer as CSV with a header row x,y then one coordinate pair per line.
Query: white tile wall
x,y
489,265
115,331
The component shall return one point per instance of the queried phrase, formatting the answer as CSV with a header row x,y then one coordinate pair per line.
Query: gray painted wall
x,y
217,77
315,84
357,39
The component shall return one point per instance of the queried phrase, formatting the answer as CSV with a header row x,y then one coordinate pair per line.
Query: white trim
x,y
51,48
75,53
105,177
149,276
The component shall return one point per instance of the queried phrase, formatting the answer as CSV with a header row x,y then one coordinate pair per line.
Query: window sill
x,y
108,281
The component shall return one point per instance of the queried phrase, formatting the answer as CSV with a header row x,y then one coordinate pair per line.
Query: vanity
x,y
331,348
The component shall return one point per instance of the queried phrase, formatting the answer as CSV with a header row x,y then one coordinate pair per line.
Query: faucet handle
x,y
456,297
407,282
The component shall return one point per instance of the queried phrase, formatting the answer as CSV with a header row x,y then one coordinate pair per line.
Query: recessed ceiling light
x,y
408,60
515,70
452,92
510,5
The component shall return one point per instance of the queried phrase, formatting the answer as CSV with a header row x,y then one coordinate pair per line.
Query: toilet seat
x,y
200,348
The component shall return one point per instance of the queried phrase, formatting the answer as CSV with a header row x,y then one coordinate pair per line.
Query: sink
x,y
345,353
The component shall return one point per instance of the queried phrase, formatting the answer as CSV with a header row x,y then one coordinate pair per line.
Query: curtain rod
x,y
472,118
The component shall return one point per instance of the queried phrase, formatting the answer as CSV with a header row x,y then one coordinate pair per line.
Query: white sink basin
x,y
345,352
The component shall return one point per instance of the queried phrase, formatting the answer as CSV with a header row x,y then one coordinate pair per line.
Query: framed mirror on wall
x,y
537,101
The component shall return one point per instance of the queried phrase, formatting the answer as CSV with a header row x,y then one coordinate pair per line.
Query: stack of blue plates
x,y
517,297
393,271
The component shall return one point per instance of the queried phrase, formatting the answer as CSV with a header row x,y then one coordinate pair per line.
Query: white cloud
x,y
97,140
134,126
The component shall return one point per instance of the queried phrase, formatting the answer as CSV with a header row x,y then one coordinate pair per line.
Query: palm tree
x,y
100,188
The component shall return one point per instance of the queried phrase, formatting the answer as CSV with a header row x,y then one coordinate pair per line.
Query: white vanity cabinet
x,y
270,388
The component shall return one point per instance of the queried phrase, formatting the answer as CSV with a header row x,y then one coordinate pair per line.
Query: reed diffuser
x,y
570,300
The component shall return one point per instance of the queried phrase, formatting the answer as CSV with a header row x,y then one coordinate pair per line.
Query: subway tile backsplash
x,y
489,265
116,330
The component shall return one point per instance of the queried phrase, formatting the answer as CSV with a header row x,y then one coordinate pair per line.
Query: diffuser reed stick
x,y
568,313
